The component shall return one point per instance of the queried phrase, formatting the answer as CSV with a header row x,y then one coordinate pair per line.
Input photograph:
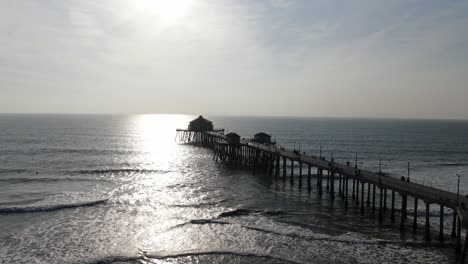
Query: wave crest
x,y
49,208
110,171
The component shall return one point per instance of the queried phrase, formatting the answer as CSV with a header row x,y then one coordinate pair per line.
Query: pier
x,y
352,185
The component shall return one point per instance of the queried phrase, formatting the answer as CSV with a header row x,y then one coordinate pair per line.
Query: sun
x,y
166,11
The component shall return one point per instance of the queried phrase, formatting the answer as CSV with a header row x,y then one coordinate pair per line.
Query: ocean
x,y
119,189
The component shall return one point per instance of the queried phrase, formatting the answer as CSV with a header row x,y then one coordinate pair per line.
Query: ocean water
x,y
119,189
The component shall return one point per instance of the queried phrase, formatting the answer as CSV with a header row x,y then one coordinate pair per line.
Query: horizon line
x,y
243,115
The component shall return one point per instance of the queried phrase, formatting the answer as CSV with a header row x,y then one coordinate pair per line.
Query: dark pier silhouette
x,y
343,181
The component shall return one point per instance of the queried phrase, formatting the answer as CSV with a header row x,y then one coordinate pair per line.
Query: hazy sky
x,y
363,58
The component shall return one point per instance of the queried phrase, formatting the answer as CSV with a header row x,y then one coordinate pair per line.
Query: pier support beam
x,y
415,218
392,213
308,176
362,198
332,185
368,194
292,171
284,168
346,191
339,184
381,204
454,223
354,188
428,226
441,227
458,246
300,174
357,193
277,165
319,180
465,248
373,198
385,200
403,212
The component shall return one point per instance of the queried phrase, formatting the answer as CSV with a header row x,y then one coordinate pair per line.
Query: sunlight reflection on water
x,y
152,140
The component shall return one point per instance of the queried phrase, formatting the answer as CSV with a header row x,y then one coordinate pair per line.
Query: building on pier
x,y
262,138
200,125
233,138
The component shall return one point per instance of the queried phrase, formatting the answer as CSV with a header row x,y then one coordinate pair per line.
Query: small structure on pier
x,y
200,125
262,138
233,138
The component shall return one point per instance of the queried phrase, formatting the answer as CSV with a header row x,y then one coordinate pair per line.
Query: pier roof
x,y
200,124
201,120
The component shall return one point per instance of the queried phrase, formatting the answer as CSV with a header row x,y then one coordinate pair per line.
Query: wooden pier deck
x,y
274,160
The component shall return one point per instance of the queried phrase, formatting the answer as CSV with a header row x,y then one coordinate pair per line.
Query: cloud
x,y
243,57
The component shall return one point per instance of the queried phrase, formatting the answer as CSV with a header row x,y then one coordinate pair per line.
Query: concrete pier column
x,y
357,192
344,179
458,246
332,185
277,165
368,194
362,197
328,179
270,163
381,204
403,212
300,169
428,225
373,198
300,174
465,248
284,168
441,226
354,188
454,223
346,191
392,213
292,171
385,200
308,176
272,158
415,218
320,180
318,177
339,184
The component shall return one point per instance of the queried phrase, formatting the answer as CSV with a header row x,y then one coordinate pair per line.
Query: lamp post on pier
x,y
355,164
408,179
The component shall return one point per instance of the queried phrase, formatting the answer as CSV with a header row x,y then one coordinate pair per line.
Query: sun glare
x,y
167,11
156,137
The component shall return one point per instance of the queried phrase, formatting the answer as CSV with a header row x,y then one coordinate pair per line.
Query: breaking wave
x,y
150,256
243,212
48,208
110,171
42,179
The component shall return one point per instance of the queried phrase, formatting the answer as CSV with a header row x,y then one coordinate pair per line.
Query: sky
x,y
317,58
